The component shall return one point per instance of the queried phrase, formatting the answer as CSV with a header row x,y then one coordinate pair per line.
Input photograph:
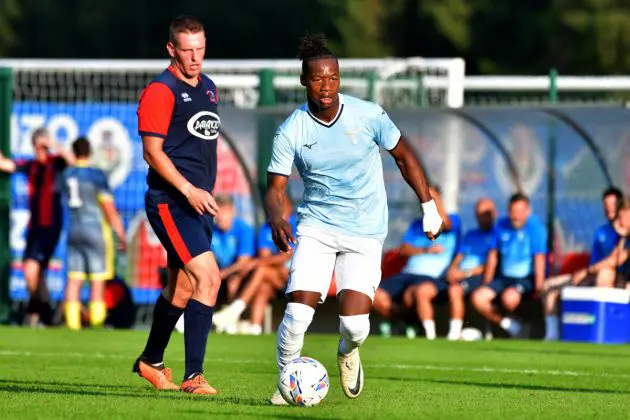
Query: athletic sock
x,y
296,320
165,316
197,323
98,313
429,329
552,327
72,312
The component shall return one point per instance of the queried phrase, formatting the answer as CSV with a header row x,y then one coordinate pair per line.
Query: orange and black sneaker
x,y
197,384
159,377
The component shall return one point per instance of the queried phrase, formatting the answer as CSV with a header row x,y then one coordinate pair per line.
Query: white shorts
x,y
355,261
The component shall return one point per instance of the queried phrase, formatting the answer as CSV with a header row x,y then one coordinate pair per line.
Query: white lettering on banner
x,y
19,222
578,318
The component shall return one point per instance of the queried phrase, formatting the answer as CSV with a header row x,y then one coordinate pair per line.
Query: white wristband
x,y
432,221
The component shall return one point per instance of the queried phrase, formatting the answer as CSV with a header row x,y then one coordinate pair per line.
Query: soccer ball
x,y
304,382
471,334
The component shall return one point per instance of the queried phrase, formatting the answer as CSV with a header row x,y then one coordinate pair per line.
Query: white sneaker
x,y
224,320
277,398
351,373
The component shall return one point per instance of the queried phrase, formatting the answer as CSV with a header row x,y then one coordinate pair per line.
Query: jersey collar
x,y
334,120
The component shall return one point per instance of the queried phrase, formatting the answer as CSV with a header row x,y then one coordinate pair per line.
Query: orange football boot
x,y
198,385
160,378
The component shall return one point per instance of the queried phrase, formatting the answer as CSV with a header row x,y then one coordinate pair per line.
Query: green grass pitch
x,y
59,374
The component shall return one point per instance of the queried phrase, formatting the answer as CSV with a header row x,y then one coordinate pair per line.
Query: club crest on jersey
x,y
211,96
204,125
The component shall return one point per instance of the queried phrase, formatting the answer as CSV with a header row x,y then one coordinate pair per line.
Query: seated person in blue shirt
x,y
232,245
468,269
428,260
607,267
270,272
522,249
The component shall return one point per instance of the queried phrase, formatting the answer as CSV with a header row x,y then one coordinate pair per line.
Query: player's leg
x,y
457,294
311,273
265,294
99,251
40,245
168,309
358,273
424,294
77,268
482,299
606,277
229,316
510,299
386,300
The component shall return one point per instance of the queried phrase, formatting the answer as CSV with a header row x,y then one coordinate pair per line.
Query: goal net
x,y
98,98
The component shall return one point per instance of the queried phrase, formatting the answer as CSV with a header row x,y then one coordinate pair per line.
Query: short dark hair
x,y
184,23
612,191
515,198
81,148
40,132
624,203
313,47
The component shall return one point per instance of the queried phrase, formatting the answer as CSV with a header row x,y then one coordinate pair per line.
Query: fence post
x,y
551,173
6,97
266,127
371,87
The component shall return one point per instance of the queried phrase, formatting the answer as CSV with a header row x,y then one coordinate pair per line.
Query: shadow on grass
x,y
551,352
291,413
507,385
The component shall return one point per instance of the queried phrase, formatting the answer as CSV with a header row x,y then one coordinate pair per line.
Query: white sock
x,y
552,326
238,307
255,329
354,330
429,329
297,318
510,325
455,329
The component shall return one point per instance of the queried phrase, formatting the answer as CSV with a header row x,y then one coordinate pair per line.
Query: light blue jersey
x,y
475,247
432,265
517,248
340,164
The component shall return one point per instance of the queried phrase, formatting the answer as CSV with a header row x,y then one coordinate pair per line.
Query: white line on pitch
x,y
482,369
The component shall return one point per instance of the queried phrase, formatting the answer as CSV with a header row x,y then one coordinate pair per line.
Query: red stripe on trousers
x,y
173,233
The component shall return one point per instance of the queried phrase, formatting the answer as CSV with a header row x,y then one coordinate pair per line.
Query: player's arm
x,y
414,175
275,197
282,157
112,216
154,116
7,165
490,267
618,256
63,153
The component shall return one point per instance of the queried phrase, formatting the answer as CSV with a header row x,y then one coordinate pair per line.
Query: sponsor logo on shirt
x,y
204,125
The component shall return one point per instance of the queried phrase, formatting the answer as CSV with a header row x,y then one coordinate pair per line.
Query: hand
x,y
282,234
200,200
431,221
436,249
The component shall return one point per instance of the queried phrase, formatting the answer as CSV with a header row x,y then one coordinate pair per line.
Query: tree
x,y
9,12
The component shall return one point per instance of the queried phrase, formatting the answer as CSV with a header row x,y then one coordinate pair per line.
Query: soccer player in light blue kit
x,y
468,270
334,141
522,249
